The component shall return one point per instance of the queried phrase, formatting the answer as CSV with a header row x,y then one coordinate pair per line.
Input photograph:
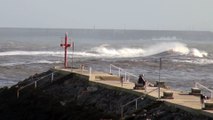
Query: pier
x,y
182,100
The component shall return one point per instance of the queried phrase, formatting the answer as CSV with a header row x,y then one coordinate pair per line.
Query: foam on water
x,y
107,51
176,47
30,53
196,61
31,62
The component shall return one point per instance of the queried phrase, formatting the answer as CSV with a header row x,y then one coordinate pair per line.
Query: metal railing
x,y
198,85
127,75
121,71
35,83
136,102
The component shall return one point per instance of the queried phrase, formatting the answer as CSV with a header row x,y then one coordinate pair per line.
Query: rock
x,y
62,103
92,89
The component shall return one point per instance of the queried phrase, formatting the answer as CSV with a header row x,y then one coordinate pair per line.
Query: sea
x,y
178,58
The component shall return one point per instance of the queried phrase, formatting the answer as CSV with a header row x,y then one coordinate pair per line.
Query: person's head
x,y
141,75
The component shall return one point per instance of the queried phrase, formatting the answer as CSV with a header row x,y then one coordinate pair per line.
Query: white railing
x,y
136,102
127,75
35,83
136,105
121,71
198,85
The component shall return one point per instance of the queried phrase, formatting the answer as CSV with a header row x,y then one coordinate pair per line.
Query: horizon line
x,y
105,29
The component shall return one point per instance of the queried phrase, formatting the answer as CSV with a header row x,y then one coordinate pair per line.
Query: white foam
x,y
197,53
32,62
177,47
106,50
122,52
196,61
30,53
165,47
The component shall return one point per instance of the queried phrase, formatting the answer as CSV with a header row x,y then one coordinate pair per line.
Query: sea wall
x,y
72,97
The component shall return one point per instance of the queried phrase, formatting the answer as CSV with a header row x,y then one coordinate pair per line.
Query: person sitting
x,y
140,84
141,80
203,99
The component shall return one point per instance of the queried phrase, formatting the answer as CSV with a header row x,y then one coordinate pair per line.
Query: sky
x,y
108,14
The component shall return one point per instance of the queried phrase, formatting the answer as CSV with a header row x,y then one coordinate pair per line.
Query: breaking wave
x,y
29,53
31,62
108,51
173,47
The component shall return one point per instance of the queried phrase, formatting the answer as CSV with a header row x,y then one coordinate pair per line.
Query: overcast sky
x,y
110,14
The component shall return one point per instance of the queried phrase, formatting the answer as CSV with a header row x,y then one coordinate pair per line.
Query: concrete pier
x,y
181,100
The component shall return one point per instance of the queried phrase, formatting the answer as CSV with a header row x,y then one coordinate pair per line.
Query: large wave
x,y
109,52
171,47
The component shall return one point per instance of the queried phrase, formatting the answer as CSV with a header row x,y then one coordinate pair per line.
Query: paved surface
x,y
181,100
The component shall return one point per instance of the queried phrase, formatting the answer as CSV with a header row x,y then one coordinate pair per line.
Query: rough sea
x,y
187,56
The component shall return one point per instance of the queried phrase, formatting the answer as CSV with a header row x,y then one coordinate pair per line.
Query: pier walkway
x,y
181,100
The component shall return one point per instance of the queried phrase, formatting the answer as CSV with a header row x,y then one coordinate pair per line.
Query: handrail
x,y
35,82
197,85
125,72
136,102
121,70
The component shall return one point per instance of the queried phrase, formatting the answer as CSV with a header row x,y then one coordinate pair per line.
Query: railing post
x,y
52,77
90,72
110,69
136,104
122,112
125,77
119,72
158,91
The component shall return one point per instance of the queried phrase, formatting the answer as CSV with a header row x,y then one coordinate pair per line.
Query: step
x,y
107,77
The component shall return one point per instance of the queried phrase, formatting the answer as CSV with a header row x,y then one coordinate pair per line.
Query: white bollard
x,y
90,72
52,77
35,84
125,77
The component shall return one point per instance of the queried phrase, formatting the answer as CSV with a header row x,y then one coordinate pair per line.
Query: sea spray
x,y
107,51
